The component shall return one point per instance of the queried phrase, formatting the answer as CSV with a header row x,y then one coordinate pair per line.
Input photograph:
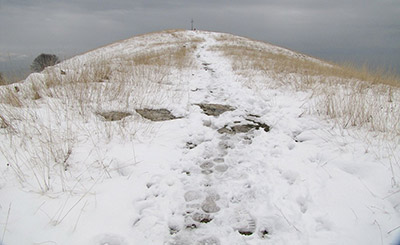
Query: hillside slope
x,y
193,137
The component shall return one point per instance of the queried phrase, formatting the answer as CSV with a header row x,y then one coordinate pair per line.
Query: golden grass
x,y
9,96
352,96
178,57
3,80
247,57
55,108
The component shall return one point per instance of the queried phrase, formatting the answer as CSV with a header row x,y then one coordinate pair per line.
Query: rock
x,y
237,129
156,114
243,128
215,109
259,124
225,130
114,115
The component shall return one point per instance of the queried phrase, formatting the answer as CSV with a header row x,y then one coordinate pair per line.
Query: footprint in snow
x,y
209,241
243,222
221,168
192,195
290,176
202,217
109,239
207,167
210,206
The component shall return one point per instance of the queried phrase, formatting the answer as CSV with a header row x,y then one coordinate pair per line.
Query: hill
x,y
195,137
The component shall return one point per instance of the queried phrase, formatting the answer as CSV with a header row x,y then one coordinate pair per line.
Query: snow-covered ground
x,y
303,180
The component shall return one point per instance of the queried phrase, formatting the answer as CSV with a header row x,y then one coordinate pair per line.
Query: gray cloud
x,y
358,30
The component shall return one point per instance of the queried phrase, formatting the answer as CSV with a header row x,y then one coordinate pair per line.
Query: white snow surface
x,y
305,181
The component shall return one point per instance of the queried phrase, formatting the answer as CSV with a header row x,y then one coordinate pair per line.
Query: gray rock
x,y
215,109
244,128
114,115
156,114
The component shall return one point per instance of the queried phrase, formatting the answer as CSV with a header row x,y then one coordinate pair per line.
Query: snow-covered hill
x,y
194,137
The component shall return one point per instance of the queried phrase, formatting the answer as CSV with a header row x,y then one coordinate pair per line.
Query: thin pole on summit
x,y
192,25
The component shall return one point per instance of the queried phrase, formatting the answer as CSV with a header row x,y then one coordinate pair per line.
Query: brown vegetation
x,y
353,96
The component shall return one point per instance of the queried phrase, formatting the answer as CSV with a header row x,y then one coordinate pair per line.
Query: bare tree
x,y
43,61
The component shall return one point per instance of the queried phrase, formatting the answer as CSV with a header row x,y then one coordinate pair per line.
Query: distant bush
x,y
43,61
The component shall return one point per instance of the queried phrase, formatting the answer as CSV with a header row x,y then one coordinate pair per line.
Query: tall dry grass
x,y
255,58
366,101
352,96
3,79
46,118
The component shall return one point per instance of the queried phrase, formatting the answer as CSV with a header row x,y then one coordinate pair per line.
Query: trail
x,y
245,185
233,191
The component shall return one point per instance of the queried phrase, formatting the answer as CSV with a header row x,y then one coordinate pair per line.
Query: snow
x,y
306,181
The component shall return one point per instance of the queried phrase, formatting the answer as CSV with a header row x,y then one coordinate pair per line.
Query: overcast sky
x,y
350,30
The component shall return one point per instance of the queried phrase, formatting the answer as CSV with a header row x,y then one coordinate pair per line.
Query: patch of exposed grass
x,y
177,57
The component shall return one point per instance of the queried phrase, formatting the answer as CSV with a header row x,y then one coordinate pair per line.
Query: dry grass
x,y
177,57
10,96
255,58
54,111
3,80
352,96
357,98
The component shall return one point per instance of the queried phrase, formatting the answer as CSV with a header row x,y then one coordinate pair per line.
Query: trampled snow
x,y
303,181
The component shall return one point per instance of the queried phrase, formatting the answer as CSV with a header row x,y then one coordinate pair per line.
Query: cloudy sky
x,y
341,30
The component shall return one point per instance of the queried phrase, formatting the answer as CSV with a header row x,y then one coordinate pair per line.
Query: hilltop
x,y
195,137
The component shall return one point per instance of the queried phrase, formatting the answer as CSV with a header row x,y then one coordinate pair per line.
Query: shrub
x,y
43,61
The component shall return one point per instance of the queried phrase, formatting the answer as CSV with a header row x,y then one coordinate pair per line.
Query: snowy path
x,y
220,170
277,186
